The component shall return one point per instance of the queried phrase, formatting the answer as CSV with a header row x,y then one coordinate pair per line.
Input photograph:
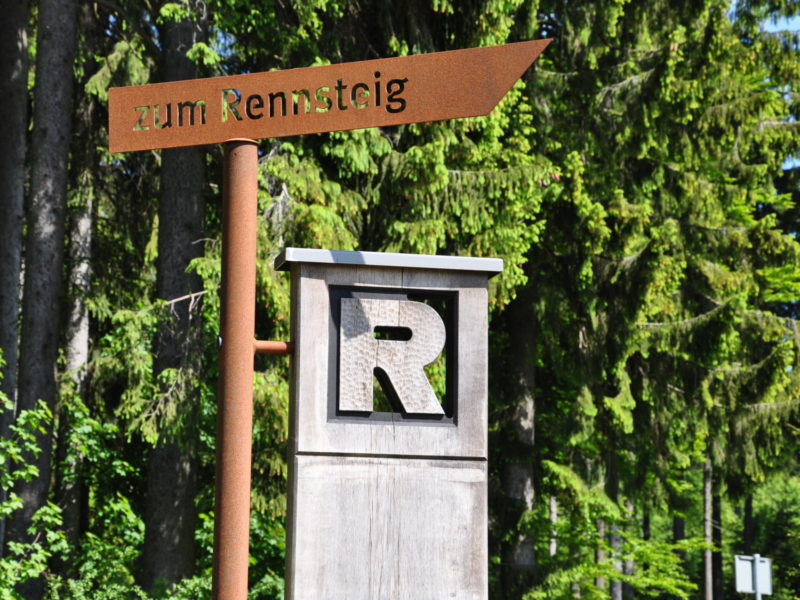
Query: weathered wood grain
x,y
386,509
313,430
387,529
402,361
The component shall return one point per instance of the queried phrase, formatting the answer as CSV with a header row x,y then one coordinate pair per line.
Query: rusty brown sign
x,y
372,93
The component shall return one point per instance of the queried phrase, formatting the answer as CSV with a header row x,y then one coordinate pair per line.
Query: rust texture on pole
x,y
235,392
265,347
370,93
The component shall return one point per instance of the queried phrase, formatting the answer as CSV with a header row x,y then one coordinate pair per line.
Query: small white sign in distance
x,y
753,574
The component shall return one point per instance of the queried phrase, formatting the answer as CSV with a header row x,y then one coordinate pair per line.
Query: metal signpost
x,y
239,109
753,574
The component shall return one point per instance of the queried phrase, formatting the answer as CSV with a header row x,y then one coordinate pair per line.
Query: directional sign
x,y
372,93
753,574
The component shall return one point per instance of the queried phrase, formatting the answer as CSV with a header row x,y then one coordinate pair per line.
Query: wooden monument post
x,y
387,503
236,110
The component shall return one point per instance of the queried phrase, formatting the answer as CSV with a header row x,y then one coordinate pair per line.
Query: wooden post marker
x,y
387,502
438,490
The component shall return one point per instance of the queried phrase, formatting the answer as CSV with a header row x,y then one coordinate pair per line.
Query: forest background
x,y
638,182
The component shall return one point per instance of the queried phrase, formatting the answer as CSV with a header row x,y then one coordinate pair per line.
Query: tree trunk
x,y
646,531
748,529
14,89
678,534
70,491
553,547
616,547
716,530
612,490
708,571
519,560
52,118
627,565
600,553
678,531
168,553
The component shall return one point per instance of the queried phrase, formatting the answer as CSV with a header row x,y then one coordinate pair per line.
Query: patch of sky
x,y
784,24
781,24
222,43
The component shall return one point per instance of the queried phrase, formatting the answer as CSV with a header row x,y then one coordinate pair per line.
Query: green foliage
x,y
632,183
125,65
24,561
87,588
22,442
126,353
777,522
173,11
664,573
204,55
651,342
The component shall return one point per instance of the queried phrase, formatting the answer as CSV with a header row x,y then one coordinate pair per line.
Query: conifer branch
x,y
143,34
689,321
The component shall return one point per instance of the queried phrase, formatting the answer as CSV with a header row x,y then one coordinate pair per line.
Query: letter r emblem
x,y
401,360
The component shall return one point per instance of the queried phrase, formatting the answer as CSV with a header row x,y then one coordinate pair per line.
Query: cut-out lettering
x,y
143,112
228,106
402,334
191,106
377,88
306,96
236,106
157,116
401,360
254,102
359,92
322,97
273,96
340,87
393,88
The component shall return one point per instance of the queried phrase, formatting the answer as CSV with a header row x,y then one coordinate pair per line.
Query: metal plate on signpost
x,y
743,565
764,575
753,574
371,93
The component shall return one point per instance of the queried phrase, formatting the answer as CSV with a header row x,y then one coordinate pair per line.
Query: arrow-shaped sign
x,y
372,93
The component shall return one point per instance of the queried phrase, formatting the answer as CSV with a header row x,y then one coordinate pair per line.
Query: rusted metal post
x,y
235,392
263,347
